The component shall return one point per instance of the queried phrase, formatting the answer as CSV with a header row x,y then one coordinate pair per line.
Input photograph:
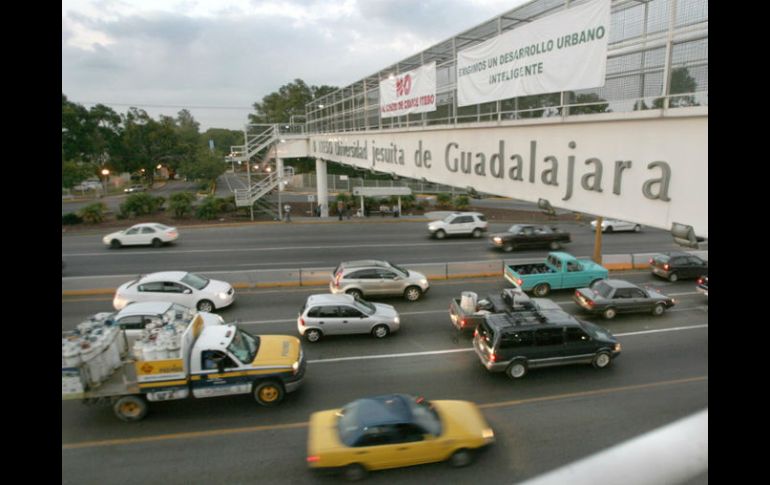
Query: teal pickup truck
x,y
559,271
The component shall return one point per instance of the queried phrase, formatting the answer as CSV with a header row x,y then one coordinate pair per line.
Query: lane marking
x,y
254,429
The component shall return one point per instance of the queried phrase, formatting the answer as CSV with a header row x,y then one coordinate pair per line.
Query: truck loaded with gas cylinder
x,y
467,312
201,358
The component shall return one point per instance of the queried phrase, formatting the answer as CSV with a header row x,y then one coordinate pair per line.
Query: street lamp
x,y
105,174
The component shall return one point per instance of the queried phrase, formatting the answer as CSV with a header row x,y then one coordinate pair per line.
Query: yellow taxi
x,y
395,430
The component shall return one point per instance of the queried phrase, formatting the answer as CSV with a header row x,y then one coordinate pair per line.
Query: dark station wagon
x,y
678,265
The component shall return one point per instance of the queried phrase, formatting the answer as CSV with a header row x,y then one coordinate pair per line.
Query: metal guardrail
x,y
264,278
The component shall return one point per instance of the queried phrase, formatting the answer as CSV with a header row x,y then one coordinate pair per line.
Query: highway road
x,y
272,245
549,418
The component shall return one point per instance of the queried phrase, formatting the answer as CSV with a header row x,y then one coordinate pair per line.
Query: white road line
x,y
453,351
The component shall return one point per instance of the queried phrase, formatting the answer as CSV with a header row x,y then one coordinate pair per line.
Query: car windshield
x,y
602,288
195,280
404,272
161,227
244,346
365,306
448,219
514,228
596,331
426,417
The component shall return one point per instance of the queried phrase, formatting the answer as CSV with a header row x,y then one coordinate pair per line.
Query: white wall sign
x,y
649,170
562,52
409,92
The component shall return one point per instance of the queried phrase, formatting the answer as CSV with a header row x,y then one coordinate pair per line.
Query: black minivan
x,y
514,343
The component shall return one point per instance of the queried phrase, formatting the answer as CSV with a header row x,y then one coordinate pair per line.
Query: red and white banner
x,y
409,92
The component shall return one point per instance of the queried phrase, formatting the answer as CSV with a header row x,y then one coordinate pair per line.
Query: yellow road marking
x,y
253,429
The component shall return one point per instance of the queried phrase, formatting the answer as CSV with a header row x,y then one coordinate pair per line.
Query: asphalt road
x,y
272,245
549,418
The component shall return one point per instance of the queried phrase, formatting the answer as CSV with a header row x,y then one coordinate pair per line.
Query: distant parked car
x,y
610,297
678,265
328,314
189,289
459,224
146,233
134,188
616,225
521,236
702,285
373,277
88,185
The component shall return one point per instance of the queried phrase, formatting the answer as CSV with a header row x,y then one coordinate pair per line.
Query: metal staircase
x,y
258,138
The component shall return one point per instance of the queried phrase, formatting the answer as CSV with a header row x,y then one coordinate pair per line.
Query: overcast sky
x,y
217,57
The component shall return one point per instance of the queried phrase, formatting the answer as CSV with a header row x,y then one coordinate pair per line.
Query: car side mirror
x,y
187,291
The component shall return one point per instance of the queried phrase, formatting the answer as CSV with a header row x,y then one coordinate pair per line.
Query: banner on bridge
x,y
410,92
564,51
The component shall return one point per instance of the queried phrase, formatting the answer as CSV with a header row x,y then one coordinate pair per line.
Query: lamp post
x,y
106,175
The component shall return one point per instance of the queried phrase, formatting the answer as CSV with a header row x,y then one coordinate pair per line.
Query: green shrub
x,y
94,213
462,202
443,200
140,204
208,209
181,203
70,219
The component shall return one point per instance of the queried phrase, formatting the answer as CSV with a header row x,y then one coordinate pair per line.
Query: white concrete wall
x,y
640,138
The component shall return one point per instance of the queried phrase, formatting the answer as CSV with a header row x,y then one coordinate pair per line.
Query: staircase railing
x,y
246,197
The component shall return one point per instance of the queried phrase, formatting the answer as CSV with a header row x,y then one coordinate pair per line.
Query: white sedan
x,y
142,234
189,289
615,225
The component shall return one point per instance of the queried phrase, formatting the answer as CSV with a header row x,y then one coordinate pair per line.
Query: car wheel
x,y
156,243
541,290
355,294
602,360
609,229
268,393
461,458
517,370
115,244
476,233
412,293
554,246
609,313
130,408
205,306
673,277
508,247
440,234
658,309
313,335
637,228
354,472
380,331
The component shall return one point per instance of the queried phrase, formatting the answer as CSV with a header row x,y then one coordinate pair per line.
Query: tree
x,y
146,143
681,83
290,100
205,166
73,173
593,104
223,139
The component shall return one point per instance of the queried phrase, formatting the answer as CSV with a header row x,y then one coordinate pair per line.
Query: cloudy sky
x,y
217,57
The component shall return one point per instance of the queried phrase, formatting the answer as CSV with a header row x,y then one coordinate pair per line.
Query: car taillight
x,y
493,357
519,281
700,281
666,267
337,280
302,322
313,458
651,260
476,332
463,322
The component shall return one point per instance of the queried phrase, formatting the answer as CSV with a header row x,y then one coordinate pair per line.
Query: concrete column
x,y
321,186
279,172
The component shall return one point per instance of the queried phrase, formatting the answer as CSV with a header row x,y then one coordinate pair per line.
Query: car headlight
x,y
397,320
222,295
617,347
424,281
497,240
488,435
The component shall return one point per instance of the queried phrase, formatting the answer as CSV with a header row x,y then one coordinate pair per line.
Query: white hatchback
x,y
189,289
148,233
345,314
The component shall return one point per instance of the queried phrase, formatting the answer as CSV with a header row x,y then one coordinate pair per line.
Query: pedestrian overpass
x,y
634,147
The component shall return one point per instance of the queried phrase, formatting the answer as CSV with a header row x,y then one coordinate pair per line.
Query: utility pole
x,y
598,241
